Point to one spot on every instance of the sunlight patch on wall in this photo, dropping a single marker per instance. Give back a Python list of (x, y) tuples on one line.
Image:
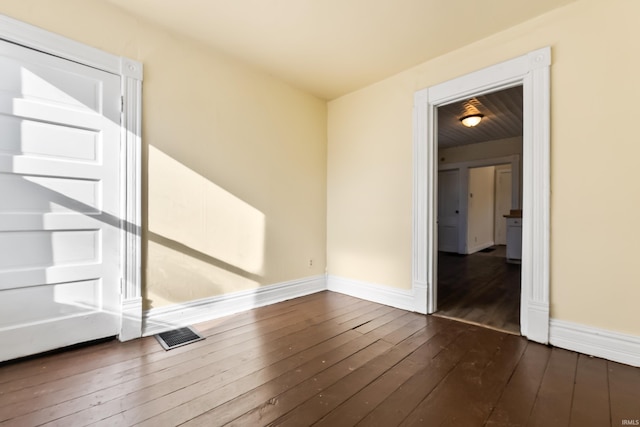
[(175, 277), (188, 211)]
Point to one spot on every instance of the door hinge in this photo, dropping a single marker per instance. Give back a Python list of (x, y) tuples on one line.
[(122, 104), (121, 286)]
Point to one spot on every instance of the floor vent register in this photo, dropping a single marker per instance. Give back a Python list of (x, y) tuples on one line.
[(178, 337)]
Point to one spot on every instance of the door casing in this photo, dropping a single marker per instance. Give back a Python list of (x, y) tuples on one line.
[(532, 71)]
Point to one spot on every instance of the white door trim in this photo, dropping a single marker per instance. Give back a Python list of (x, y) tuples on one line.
[(532, 72), (130, 73)]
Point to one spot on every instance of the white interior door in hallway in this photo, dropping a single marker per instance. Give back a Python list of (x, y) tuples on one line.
[(448, 210), (60, 209), (480, 208), (503, 203)]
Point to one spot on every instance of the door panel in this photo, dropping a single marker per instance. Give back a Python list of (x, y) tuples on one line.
[(448, 210), (60, 230), (503, 203), (480, 208)]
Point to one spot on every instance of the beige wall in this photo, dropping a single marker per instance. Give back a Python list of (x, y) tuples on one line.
[(234, 160), (594, 151)]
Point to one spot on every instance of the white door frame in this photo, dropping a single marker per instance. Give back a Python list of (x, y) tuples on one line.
[(130, 73), (532, 72)]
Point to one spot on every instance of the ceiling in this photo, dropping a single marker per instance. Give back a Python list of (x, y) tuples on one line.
[(332, 47), (502, 118)]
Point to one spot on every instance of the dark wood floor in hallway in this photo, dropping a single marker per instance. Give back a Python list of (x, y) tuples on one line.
[(326, 360), (480, 288)]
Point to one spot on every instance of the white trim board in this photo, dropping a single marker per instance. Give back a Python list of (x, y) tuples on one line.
[(130, 73), (595, 342), (398, 298), (532, 71), (162, 319)]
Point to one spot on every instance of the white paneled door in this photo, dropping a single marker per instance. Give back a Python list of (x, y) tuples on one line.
[(503, 203), (60, 200), (448, 210)]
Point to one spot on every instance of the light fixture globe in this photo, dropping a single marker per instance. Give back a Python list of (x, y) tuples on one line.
[(471, 120)]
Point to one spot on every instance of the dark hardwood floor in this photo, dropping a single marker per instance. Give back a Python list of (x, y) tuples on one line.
[(480, 288), (326, 360)]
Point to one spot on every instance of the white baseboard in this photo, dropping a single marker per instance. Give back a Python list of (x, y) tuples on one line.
[(476, 248), (398, 298), (163, 319), (595, 342)]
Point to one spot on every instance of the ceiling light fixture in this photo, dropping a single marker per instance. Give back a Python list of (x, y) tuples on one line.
[(471, 120)]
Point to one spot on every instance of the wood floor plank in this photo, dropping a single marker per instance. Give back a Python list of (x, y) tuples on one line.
[(553, 403), (268, 392), (354, 319), (159, 398), (319, 357), (380, 321), (591, 393), (624, 391), (398, 404), (52, 382), (99, 355), (398, 318), (137, 348), (117, 374), (285, 402), (179, 362), (476, 380), (351, 411), (436, 407), (484, 393), (326, 399), (515, 404), (398, 323), (251, 393), (156, 374), (22, 374), (400, 333)]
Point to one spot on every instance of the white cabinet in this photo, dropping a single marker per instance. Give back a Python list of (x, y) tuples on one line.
[(514, 239)]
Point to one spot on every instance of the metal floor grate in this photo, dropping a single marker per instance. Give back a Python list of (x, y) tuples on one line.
[(178, 337)]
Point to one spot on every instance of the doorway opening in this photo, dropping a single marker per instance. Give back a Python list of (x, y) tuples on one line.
[(532, 72), (478, 209)]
